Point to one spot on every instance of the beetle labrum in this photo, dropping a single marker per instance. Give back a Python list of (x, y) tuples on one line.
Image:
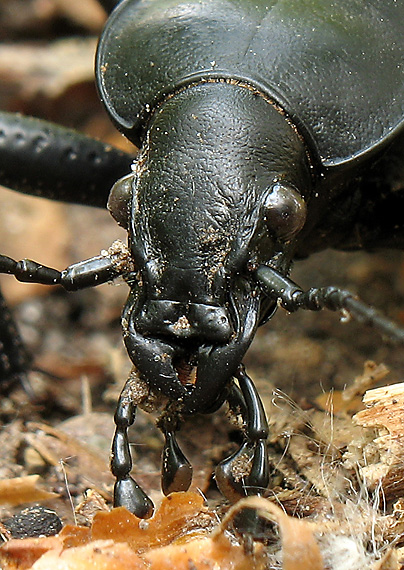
[(267, 131)]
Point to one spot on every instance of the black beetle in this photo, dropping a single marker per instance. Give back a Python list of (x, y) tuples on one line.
[(268, 131)]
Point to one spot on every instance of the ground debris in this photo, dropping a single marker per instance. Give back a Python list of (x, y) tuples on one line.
[(381, 464), (173, 538)]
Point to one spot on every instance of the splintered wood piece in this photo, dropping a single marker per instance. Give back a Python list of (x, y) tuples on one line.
[(385, 453)]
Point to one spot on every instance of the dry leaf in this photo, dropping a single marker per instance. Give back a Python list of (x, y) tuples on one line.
[(299, 546), (98, 555), (179, 513), (20, 490), (177, 537)]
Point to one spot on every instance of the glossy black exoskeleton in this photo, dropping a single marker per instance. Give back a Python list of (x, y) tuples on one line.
[(267, 131)]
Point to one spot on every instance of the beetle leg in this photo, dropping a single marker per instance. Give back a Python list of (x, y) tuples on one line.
[(44, 159), (292, 298), (229, 473), (176, 473), (127, 493), (257, 432)]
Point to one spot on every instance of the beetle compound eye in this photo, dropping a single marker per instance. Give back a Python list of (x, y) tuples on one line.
[(284, 211), (120, 201)]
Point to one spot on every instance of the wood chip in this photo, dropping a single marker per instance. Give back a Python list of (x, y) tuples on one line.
[(384, 454)]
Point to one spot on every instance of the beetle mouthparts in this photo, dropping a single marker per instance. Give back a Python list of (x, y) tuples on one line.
[(183, 321), (194, 371), (187, 373)]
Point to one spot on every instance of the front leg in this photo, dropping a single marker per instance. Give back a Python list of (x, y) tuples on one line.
[(127, 493), (252, 456)]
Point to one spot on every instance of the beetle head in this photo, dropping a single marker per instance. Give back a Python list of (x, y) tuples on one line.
[(213, 193)]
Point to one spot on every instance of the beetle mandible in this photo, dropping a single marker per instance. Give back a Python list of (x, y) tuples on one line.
[(267, 131)]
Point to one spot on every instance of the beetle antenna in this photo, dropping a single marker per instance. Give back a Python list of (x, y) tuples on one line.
[(291, 297)]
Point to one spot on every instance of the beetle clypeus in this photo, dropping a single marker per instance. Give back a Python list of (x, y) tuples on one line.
[(267, 131)]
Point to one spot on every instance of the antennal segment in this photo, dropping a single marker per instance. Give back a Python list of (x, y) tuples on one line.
[(291, 297)]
